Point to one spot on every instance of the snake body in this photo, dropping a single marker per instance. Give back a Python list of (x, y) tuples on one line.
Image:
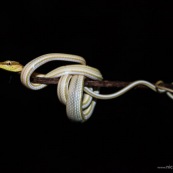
[(79, 105), (80, 100)]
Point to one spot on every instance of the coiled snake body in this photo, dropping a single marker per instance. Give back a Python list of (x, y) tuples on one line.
[(80, 100)]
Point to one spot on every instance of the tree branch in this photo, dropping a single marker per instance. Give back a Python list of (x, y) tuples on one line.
[(104, 83)]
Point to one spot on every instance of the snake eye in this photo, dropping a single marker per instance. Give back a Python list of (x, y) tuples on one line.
[(8, 62)]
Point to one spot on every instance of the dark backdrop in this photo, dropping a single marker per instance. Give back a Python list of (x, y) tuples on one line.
[(125, 40)]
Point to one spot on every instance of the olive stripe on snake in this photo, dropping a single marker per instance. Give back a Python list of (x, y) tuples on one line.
[(80, 100)]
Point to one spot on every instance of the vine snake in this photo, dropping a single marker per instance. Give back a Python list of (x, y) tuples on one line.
[(80, 100)]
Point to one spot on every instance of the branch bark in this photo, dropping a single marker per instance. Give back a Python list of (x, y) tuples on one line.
[(92, 83)]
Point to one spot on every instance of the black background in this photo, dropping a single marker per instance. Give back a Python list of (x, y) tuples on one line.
[(125, 40)]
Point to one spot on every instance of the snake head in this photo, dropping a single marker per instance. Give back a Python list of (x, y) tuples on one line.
[(12, 66)]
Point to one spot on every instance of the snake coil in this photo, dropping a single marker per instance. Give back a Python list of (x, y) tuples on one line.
[(70, 88), (80, 100)]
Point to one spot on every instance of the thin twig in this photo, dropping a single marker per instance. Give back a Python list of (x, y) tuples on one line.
[(92, 83)]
